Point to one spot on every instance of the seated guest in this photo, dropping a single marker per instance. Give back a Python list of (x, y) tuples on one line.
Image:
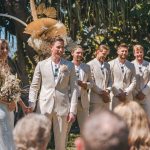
[(103, 131), (137, 121), (32, 132)]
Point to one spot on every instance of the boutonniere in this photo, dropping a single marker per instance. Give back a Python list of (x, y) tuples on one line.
[(63, 68)]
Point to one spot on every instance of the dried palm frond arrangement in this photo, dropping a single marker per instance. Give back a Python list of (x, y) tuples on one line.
[(9, 86), (44, 28)]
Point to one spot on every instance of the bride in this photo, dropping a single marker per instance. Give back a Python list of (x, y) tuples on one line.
[(9, 95)]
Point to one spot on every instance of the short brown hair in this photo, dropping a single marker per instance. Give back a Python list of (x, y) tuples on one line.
[(55, 39), (123, 45)]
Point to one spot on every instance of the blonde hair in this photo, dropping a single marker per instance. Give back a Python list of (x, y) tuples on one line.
[(75, 48), (32, 132), (4, 43), (137, 47), (101, 47), (137, 121)]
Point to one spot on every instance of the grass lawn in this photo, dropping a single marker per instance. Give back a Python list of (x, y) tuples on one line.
[(70, 144), (74, 133)]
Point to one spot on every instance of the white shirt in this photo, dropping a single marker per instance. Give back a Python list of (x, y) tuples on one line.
[(56, 70)]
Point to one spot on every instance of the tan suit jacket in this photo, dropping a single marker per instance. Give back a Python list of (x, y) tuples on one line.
[(125, 81), (54, 96), (86, 78), (143, 83), (102, 81)]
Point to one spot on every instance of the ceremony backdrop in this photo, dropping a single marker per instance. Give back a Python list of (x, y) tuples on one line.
[(89, 23)]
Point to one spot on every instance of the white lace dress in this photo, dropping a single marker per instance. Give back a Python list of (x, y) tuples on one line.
[(6, 138)]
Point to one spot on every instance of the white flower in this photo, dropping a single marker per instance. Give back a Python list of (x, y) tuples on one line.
[(63, 68)]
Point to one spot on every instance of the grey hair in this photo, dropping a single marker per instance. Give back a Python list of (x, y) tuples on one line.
[(32, 132)]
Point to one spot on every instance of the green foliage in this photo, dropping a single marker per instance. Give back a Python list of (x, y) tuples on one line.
[(92, 22)]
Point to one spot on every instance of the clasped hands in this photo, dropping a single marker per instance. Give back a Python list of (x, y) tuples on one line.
[(122, 96), (140, 96), (27, 110), (82, 84), (105, 96), (12, 105)]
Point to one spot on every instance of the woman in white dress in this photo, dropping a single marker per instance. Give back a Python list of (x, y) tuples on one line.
[(6, 139), (9, 95)]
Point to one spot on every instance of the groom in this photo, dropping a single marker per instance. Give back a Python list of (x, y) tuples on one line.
[(52, 79)]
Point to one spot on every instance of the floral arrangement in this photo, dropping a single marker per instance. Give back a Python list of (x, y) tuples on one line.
[(9, 87), (63, 68)]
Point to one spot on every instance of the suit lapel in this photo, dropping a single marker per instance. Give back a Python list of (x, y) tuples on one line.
[(98, 67), (119, 66), (49, 70), (105, 75), (144, 66), (125, 69), (82, 71)]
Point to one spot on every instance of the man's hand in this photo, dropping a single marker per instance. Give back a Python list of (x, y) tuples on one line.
[(71, 118), (82, 84), (27, 110), (121, 96), (11, 106), (105, 96), (140, 96)]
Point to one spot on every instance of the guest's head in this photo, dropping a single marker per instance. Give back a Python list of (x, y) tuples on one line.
[(32, 132), (3, 49), (137, 121), (103, 131)]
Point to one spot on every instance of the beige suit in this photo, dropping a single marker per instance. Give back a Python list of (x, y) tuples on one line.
[(143, 84), (102, 81), (83, 103), (53, 97), (125, 81)]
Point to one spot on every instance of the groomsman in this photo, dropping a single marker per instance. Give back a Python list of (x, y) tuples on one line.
[(123, 77), (99, 94), (83, 74), (51, 79), (142, 67)]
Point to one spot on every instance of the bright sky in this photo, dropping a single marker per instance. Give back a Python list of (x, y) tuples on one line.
[(12, 41)]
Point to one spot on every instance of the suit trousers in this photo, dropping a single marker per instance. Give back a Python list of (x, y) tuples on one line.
[(60, 126), (99, 106), (82, 114), (146, 107)]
